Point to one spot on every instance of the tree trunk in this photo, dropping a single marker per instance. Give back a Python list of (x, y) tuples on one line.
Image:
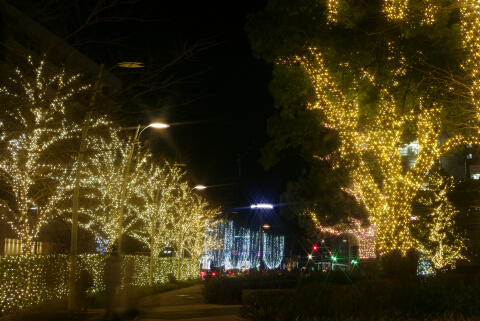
[(151, 262)]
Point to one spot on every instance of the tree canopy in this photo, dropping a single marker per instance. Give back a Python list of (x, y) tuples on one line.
[(371, 76)]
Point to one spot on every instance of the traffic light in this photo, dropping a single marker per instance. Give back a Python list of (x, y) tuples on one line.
[(315, 247)]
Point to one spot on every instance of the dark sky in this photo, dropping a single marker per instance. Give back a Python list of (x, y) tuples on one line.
[(222, 149), (223, 132)]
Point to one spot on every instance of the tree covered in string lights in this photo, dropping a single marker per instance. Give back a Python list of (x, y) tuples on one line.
[(102, 177), (188, 223), (156, 189), (203, 239), (378, 75), (36, 132), (439, 238)]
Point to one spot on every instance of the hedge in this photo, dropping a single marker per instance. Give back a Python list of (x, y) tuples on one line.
[(27, 281)]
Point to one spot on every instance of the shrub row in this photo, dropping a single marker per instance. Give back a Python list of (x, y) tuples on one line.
[(445, 298), (27, 281)]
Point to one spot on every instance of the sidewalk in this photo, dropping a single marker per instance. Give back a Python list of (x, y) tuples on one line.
[(185, 304), (181, 304)]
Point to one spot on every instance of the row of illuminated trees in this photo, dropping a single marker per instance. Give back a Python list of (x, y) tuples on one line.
[(40, 129)]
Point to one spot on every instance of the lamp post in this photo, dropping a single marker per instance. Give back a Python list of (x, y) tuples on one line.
[(126, 177), (261, 207), (73, 243)]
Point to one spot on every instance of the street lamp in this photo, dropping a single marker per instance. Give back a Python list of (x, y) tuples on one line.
[(76, 194), (261, 207), (125, 179), (73, 244)]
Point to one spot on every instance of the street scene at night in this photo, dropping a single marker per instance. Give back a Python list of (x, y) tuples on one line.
[(240, 160)]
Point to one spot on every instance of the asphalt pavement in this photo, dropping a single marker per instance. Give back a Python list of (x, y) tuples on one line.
[(181, 304)]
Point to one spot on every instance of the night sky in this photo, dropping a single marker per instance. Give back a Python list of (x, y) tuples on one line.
[(224, 131)]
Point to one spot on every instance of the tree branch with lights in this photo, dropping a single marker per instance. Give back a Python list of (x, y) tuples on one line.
[(35, 166), (380, 75), (101, 185)]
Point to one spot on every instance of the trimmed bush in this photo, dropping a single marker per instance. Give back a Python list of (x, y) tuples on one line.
[(28, 281), (452, 297)]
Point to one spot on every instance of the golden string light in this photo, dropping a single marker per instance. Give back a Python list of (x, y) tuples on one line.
[(470, 10), (189, 219), (102, 178), (31, 133), (445, 245), (332, 6), (386, 191), (25, 277), (366, 238), (156, 190), (396, 9)]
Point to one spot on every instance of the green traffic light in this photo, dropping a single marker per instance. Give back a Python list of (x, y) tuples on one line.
[(334, 258), (354, 262)]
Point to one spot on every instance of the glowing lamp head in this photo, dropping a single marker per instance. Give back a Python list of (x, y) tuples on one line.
[(261, 206), (309, 256), (131, 64), (200, 187), (159, 125)]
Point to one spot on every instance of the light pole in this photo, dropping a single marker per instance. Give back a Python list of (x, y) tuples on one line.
[(126, 177), (76, 193), (261, 207)]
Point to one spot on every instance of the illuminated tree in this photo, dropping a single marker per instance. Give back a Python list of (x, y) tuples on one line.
[(102, 179), (189, 220), (35, 166), (365, 236), (156, 189), (379, 75), (203, 239), (442, 243)]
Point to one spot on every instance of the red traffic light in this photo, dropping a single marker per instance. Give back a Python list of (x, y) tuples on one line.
[(314, 247)]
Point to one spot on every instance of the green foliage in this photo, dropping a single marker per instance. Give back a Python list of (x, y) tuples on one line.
[(443, 298), (228, 290), (419, 63), (28, 281)]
